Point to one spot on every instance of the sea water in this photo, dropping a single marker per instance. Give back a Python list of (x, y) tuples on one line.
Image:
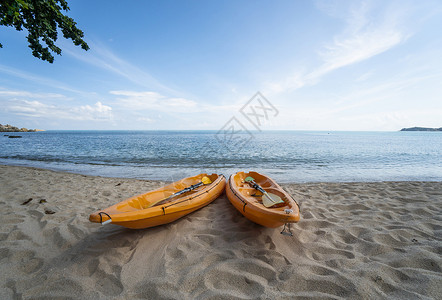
[(286, 156)]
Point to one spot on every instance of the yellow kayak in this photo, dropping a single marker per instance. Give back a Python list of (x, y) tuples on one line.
[(163, 205), (261, 200)]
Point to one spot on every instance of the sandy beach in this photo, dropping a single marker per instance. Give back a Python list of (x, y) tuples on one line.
[(355, 240)]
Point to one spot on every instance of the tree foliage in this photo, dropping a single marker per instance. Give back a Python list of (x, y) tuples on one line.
[(41, 18)]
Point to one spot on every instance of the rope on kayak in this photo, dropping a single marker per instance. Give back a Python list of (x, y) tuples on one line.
[(288, 232), (101, 218)]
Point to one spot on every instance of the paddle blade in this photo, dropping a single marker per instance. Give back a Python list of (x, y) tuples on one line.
[(269, 199), (206, 180), (249, 179)]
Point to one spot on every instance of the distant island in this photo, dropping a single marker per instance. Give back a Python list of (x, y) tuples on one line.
[(10, 128), (421, 129)]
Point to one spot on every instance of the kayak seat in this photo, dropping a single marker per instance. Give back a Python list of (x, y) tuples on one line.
[(247, 191)]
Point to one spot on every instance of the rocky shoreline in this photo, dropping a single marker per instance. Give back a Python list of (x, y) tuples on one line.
[(10, 128)]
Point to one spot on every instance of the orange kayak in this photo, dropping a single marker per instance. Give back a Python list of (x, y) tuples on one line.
[(249, 201), (160, 206)]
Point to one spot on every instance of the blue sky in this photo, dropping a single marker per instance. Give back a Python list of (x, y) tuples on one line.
[(325, 65)]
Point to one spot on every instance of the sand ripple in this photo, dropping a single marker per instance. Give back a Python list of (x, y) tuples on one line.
[(355, 240)]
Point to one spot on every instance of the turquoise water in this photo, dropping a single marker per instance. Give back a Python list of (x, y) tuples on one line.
[(287, 156)]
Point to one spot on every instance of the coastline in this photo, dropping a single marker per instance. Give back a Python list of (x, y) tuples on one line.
[(300, 156), (354, 240)]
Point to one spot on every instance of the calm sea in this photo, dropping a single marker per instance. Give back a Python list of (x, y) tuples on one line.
[(287, 156)]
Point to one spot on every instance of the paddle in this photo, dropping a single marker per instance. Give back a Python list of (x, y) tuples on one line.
[(268, 199), (205, 180)]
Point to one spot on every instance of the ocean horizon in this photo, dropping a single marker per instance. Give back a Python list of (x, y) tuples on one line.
[(285, 155)]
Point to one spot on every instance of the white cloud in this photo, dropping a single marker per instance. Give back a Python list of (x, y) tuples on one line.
[(136, 94), (136, 100), (37, 109), (180, 102), (152, 101), (367, 33), (104, 58), (26, 94), (28, 108), (97, 111), (39, 79), (356, 48)]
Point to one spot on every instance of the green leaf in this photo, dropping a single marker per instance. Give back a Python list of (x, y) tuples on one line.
[(41, 18)]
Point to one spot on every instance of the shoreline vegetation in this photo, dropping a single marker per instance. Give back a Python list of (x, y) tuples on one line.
[(354, 240), (421, 129), (10, 128)]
